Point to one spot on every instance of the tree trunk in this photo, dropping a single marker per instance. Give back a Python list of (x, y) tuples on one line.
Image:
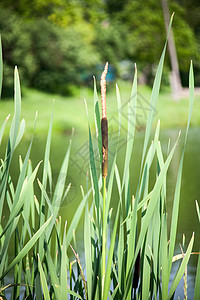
[(175, 80)]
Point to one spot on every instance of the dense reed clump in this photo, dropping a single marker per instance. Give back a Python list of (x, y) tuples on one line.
[(128, 253)]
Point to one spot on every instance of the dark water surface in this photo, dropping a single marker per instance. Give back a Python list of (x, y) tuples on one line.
[(79, 164)]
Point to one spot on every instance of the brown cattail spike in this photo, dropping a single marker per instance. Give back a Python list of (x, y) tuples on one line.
[(104, 134), (104, 123)]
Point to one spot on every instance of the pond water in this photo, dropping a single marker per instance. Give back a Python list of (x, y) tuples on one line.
[(188, 221)]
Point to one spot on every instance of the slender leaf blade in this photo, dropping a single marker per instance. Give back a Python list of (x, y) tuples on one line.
[(43, 281)]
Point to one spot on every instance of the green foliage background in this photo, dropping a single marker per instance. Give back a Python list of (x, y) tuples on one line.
[(53, 41)]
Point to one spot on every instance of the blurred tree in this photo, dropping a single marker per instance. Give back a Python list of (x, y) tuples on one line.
[(63, 56), (191, 13), (62, 41), (115, 6), (110, 42), (49, 56), (146, 35), (16, 49)]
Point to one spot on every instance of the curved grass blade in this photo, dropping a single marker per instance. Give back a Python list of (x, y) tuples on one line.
[(77, 216), (164, 258), (3, 128), (74, 294), (154, 96)]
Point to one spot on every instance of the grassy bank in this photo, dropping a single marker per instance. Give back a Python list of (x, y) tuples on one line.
[(70, 112)]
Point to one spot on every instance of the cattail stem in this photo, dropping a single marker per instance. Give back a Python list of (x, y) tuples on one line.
[(104, 236)]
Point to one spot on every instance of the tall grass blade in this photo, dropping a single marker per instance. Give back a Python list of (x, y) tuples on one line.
[(43, 281), (63, 279), (110, 257), (87, 249), (110, 186), (17, 114), (97, 121), (154, 96), (164, 255), (44, 183), (94, 175), (119, 105), (132, 105), (121, 265), (12, 137)]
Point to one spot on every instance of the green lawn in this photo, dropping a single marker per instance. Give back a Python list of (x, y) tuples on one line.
[(70, 111)]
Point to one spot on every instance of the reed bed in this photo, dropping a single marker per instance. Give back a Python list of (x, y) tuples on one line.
[(128, 252)]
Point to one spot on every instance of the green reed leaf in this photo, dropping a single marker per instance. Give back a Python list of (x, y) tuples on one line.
[(43, 281)]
